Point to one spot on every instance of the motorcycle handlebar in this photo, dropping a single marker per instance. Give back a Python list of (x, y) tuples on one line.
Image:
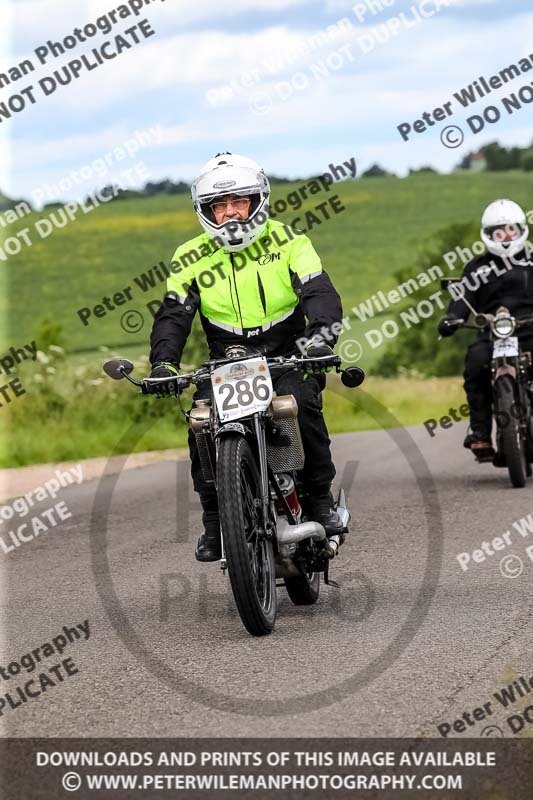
[(455, 323), (484, 320), (524, 321), (184, 381)]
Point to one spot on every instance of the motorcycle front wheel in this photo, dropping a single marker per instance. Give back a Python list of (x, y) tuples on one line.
[(249, 554), (512, 443)]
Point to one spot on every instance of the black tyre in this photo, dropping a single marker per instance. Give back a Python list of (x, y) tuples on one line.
[(304, 590), (511, 440), (250, 558)]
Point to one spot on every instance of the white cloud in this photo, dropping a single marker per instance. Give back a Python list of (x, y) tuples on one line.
[(217, 58), (5, 146), (414, 72), (188, 60), (374, 10), (5, 162), (467, 3), (37, 20), (82, 148)]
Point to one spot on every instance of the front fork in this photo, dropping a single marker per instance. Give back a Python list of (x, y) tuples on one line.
[(223, 562), (259, 429), (265, 489)]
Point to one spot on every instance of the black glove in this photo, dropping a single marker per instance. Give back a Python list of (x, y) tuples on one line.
[(444, 327), (317, 351), (162, 389)]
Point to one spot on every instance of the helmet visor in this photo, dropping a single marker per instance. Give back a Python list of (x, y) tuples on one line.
[(244, 204), (505, 233)]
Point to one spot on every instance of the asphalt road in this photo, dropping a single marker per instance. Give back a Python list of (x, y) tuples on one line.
[(407, 642)]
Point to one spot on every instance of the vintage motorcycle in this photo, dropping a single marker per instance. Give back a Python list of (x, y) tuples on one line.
[(512, 387), (251, 450)]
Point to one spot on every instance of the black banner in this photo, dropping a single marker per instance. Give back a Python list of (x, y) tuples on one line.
[(263, 768)]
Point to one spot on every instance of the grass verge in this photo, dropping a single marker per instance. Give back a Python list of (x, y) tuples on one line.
[(73, 411)]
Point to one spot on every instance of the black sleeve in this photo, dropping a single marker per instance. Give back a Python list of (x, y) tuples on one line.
[(172, 326), (320, 302), (457, 308)]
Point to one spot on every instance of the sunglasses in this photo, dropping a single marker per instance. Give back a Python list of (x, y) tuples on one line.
[(238, 203)]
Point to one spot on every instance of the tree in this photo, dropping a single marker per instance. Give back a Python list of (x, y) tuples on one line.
[(375, 171), (526, 160), (427, 170), (166, 187), (6, 203), (274, 179), (499, 159)]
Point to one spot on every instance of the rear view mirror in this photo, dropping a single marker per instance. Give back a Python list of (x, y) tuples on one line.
[(352, 377), (117, 368)]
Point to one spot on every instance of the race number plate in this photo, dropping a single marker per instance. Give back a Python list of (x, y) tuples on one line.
[(243, 388), (505, 347)]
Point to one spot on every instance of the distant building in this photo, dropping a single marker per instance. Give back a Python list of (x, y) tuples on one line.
[(478, 162), (474, 162)]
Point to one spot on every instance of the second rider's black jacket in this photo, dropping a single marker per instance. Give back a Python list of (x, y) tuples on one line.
[(489, 282)]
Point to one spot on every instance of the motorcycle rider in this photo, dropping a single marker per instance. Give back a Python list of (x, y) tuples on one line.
[(503, 276), (254, 282)]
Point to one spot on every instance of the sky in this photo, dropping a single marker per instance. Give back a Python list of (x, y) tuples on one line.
[(295, 85)]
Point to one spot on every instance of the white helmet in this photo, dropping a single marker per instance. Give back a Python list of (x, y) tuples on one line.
[(232, 174), (498, 215)]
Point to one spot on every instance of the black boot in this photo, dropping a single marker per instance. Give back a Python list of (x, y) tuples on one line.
[(477, 437), (479, 442), (209, 543), (320, 509)]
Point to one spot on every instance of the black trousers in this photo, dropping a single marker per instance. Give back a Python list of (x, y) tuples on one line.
[(477, 383), (318, 471)]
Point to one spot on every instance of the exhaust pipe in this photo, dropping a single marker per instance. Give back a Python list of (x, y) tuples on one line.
[(292, 534)]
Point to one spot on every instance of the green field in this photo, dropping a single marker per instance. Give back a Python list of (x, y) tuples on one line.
[(387, 223)]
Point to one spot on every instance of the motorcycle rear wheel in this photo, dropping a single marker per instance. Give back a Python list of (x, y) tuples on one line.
[(250, 556), (305, 589), (511, 440)]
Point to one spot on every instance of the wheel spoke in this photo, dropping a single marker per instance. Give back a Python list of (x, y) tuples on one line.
[(256, 545), (250, 511)]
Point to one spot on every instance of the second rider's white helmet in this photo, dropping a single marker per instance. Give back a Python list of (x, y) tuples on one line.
[(500, 215), (225, 174)]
